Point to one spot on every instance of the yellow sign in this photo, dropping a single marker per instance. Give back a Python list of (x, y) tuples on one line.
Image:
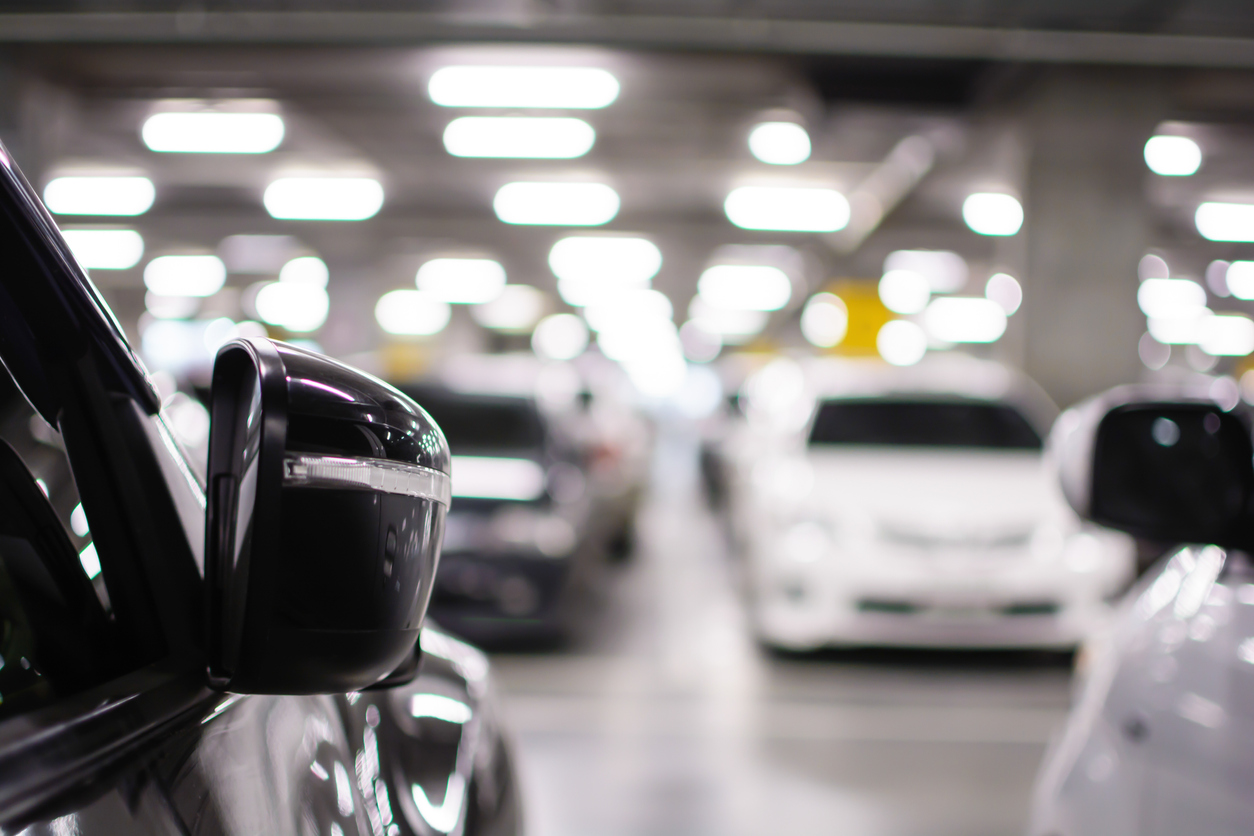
[(867, 314), (404, 361)]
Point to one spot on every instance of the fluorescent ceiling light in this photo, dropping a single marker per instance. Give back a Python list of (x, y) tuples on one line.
[(560, 337), (517, 308), (628, 309), (991, 213), (550, 138), (1239, 278), (185, 275), (1152, 353), (658, 374), (1226, 335), (296, 306), (485, 477), (731, 325), (99, 195), (213, 133), (945, 271), (170, 307), (324, 198), (307, 269), (556, 204), (1173, 156), (580, 88), (1225, 221), (825, 320), (955, 319), (1179, 330), (1217, 277), (105, 249), (177, 346), (904, 291), (1004, 289), (1165, 298), (591, 266), (1152, 266), (780, 143), (901, 342), (412, 313), (463, 281), (700, 345), (787, 209), (745, 287), (649, 338)]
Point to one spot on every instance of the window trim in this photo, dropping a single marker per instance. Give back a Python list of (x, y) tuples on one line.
[(80, 742)]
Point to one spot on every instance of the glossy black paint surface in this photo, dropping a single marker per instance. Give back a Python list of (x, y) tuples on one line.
[(160, 754), (315, 590), (333, 408), (1173, 472)]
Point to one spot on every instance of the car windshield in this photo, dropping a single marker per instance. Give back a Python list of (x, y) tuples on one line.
[(482, 423), (923, 423)]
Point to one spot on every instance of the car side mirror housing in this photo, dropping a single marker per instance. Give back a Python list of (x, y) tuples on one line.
[(1178, 471), (327, 494)]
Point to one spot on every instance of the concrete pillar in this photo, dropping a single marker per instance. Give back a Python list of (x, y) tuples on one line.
[(1088, 224)]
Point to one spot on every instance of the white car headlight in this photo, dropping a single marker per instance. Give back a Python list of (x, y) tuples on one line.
[(806, 541), (1084, 553)]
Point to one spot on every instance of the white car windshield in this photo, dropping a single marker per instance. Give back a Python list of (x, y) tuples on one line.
[(922, 423)]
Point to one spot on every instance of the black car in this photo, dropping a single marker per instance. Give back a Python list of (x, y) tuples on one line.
[(237, 654), (523, 550)]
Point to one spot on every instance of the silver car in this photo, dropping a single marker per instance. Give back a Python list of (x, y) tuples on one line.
[(1161, 736)]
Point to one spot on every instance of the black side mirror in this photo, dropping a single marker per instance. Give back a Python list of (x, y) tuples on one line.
[(1173, 472), (327, 496), (1167, 470)]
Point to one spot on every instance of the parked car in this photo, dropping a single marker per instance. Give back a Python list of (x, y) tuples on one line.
[(589, 409), (238, 654), (526, 540), (885, 506), (1159, 739)]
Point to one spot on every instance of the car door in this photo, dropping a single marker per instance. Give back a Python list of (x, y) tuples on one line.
[(134, 741), (126, 737), (66, 718), (174, 757)]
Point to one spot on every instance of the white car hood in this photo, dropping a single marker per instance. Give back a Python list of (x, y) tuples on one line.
[(936, 497)]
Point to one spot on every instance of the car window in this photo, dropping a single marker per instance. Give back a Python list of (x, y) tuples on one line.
[(23, 685), (923, 423), (56, 636), (474, 423), (42, 451)]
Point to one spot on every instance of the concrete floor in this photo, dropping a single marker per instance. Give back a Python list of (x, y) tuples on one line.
[(666, 718)]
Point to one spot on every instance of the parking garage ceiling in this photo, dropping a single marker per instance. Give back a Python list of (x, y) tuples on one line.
[(972, 79), (1152, 32)]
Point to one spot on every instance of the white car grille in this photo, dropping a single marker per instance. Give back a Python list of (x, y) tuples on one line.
[(990, 539)]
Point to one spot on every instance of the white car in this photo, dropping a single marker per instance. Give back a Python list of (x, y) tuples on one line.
[(911, 507), (1160, 740)]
